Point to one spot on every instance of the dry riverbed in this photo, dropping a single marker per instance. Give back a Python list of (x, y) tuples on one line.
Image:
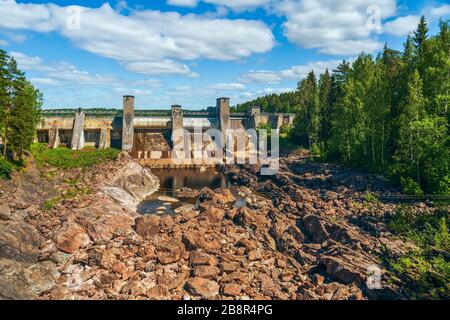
[(302, 234)]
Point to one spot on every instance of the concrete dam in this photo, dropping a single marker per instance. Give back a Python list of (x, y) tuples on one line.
[(146, 134)]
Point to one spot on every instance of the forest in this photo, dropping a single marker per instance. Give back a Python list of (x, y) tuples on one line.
[(387, 114)]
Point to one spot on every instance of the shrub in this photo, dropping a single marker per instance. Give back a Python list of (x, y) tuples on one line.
[(5, 168), (411, 187), (426, 269), (371, 197)]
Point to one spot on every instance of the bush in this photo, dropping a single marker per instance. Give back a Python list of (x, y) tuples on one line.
[(410, 187), (5, 168), (65, 158), (426, 269)]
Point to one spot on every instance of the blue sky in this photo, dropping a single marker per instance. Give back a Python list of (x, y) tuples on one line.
[(188, 52)]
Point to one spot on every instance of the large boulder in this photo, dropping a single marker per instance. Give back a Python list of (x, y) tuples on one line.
[(72, 238), (19, 241), (25, 281)]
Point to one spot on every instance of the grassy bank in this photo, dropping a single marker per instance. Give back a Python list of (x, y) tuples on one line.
[(65, 158), (425, 269)]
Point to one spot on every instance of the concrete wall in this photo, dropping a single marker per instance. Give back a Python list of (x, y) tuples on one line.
[(143, 135)]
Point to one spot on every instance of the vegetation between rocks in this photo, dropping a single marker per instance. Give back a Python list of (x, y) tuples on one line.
[(425, 269), (65, 158)]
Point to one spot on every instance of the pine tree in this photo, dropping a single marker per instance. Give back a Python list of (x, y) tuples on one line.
[(308, 119), (421, 35), (325, 105), (26, 116), (19, 107)]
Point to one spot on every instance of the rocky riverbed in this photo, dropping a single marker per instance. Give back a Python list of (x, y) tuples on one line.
[(302, 234)]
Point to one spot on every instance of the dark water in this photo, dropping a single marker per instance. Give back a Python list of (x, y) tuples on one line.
[(172, 180)]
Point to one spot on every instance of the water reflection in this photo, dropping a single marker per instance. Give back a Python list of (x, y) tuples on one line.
[(172, 180)]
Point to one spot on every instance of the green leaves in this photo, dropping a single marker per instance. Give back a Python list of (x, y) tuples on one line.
[(20, 106)]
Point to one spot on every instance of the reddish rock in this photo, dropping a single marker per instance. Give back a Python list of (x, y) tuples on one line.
[(208, 272), (223, 196), (205, 288), (147, 226), (249, 218), (198, 258), (158, 292), (315, 228), (211, 213), (232, 290), (229, 267), (72, 239), (254, 255), (196, 240), (170, 251)]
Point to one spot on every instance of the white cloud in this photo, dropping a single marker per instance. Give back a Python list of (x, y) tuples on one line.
[(3, 43), (237, 5), (440, 11), (227, 86), (333, 27), (27, 62), (294, 73), (151, 83), (402, 25), (158, 67), (145, 36), (44, 81), (59, 72), (183, 3)]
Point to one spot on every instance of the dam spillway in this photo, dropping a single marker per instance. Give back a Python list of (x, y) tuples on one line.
[(146, 134)]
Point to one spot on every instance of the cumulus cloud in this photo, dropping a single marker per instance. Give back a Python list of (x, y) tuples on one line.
[(59, 72), (158, 67), (440, 11), (183, 3), (145, 36), (227, 86), (334, 27), (402, 25), (294, 73), (237, 5)]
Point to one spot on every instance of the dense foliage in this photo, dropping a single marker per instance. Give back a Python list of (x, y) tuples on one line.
[(389, 114), (20, 108), (425, 268), (65, 158)]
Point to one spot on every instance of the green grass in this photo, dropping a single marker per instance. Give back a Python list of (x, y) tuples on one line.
[(426, 269), (65, 158)]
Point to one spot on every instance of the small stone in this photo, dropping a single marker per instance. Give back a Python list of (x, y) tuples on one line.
[(207, 272), (203, 287), (254, 255), (318, 279), (157, 292), (232, 290)]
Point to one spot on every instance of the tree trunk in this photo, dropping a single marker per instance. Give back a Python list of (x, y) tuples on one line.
[(5, 142)]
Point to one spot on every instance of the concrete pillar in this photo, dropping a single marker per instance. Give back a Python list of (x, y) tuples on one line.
[(223, 115), (105, 138), (78, 131), (128, 123), (255, 114), (53, 138), (177, 117)]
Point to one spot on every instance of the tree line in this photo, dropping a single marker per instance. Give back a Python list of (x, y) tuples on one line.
[(388, 114), (20, 109)]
